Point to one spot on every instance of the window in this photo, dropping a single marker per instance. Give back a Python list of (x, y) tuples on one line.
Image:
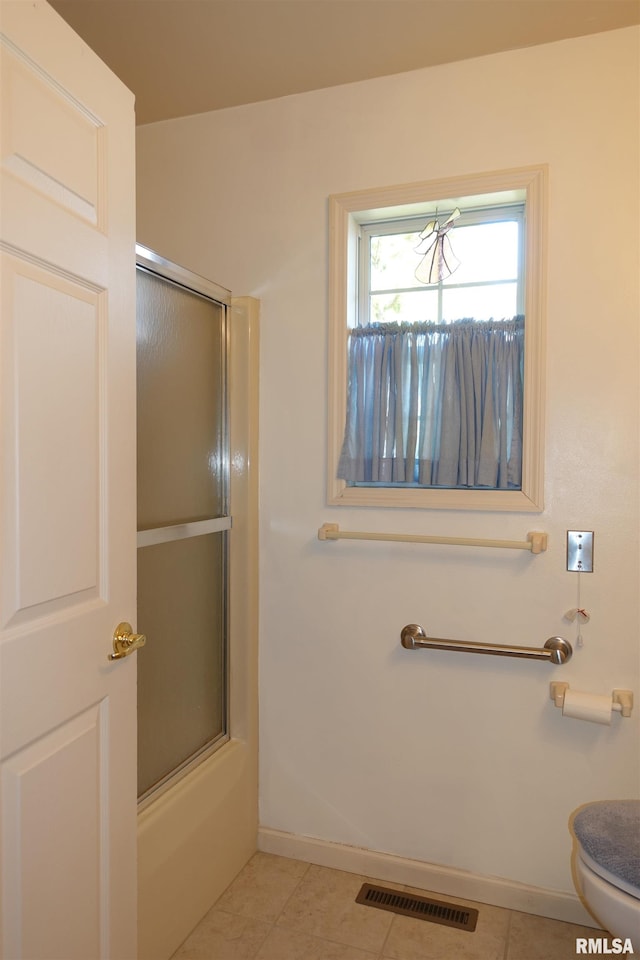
[(420, 341), (486, 282)]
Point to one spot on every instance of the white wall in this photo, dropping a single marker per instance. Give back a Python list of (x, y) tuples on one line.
[(442, 757)]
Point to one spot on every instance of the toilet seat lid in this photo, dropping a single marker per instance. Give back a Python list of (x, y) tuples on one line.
[(608, 832)]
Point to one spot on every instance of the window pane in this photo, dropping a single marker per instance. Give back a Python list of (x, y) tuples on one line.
[(486, 251), (481, 303), (394, 261), (405, 307)]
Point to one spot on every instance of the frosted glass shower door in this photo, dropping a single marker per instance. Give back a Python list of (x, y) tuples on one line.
[(182, 519)]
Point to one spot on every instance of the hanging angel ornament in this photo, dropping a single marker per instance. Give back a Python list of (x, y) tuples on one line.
[(438, 260)]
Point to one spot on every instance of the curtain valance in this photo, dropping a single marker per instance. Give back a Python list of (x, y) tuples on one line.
[(435, 404)]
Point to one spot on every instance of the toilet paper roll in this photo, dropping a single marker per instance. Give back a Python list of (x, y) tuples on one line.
[(587, 706)]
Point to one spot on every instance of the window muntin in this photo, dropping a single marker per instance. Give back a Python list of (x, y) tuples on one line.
[(347, 214)]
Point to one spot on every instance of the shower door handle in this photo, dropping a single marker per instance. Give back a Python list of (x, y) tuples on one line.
[(125, 641)]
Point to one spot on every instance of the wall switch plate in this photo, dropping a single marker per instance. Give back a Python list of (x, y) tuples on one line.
[(580, 551)]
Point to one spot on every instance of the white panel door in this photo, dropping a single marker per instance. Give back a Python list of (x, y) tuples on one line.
[(67, 496)]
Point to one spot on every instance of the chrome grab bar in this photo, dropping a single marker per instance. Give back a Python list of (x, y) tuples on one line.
[(556, 649)]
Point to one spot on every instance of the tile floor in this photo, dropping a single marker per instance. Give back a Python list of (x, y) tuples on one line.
[(281, 909)]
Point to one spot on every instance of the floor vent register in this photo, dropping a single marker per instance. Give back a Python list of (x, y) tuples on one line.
[(421, 908)]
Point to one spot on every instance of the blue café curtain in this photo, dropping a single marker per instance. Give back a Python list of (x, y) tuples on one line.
[(435, 404)]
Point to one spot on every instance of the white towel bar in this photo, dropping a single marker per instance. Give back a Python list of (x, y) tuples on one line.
[(535, 543)]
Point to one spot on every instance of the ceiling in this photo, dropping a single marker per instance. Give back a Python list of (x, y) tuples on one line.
[(181, 57)]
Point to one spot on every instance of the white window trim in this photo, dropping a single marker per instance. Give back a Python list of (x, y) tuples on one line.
[(346, 211)]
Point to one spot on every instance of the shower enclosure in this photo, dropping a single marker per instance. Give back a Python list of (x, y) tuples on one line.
[(198, 423), (183, 520)]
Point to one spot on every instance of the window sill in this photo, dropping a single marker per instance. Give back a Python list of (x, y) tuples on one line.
[(500, 500)]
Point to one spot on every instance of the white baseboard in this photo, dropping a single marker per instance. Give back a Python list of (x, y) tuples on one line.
[(446, 881)]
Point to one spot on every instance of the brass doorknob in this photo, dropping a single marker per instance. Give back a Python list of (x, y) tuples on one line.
[(125, 641)]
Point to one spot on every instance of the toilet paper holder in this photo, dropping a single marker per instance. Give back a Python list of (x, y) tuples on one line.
[(621, 700)]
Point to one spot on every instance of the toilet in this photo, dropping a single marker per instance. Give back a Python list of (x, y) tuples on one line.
[(607, 864)]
